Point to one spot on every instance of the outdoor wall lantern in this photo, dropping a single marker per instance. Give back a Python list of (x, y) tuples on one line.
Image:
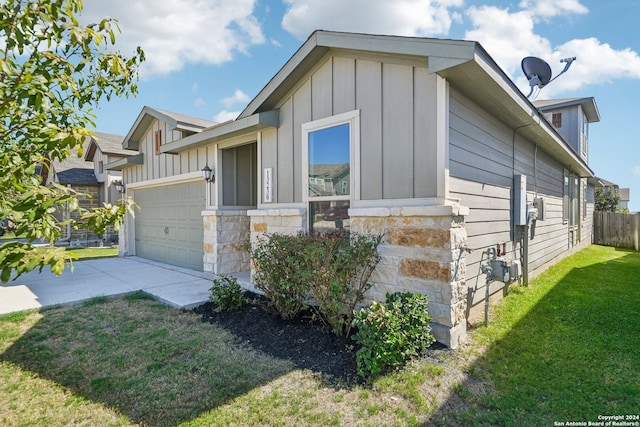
[(119, 186), (207, 174)]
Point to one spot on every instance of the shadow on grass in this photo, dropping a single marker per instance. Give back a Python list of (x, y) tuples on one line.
[(574, 355), (156, 365)]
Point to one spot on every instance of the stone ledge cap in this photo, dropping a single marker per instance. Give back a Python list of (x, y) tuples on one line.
[(435, 210), (276, 212)]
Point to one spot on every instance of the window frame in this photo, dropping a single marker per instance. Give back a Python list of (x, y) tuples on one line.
[(352, 118)]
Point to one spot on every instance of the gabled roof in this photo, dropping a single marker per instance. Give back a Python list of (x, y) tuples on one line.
[(74, 170), (464, 64), (588, 106), (175, 121), (107, 144), (442, 54)]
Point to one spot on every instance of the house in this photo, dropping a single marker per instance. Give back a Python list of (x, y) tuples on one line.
[(168, 187), (624, 199), (104, 148), (429, 143), (77, 174)]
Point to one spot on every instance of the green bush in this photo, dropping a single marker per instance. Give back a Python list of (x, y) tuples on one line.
[(340, 267), (281, 272), (226, 294), (331, 270), (391, 333)]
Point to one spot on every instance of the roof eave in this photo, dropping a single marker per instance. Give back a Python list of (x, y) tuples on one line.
[(215, 134), (491, 88), (123, 163)]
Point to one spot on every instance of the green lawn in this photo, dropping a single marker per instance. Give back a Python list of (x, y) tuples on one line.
[(564, 349), (94, 252)]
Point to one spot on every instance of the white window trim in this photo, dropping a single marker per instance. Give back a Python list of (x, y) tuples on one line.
[(353, 119)]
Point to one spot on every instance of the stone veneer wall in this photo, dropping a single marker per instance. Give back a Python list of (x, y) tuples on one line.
[(421, 252), (225, 233), (280, 221)]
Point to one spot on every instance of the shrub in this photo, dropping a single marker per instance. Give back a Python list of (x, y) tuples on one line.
[(280, 272), (333, 270), (340, 267), (392, 332), (226, 294)]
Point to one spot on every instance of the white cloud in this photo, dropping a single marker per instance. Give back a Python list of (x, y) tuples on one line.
[(399, 17), (225, 116), (636, 170), (551, 8), (238, 97), (510, 36), (199, 102), (177, 32)]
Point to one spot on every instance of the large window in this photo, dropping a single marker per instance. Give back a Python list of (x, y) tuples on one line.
[(328, 149)]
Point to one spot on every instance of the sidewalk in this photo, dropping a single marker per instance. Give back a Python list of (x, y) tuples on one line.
[(174, 286)]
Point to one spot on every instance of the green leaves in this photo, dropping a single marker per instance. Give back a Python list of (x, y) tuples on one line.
[(391, 333), (53, 73), (333, 270)]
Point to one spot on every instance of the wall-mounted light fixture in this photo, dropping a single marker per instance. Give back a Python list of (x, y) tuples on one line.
[(208, 174), (119, 186)]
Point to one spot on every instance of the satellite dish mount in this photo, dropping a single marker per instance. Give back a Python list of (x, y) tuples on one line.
[(538, 72)]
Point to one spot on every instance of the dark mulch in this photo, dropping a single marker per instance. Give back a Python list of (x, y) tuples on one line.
[(305, 341)]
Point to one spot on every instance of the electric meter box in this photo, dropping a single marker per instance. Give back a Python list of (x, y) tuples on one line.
[(520, 200)]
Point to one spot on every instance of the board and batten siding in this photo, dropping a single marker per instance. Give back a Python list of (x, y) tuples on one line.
[(397, 104), (158, 166), (482, 162)]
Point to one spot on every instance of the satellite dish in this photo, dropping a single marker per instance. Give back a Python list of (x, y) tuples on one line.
[(538, 72)]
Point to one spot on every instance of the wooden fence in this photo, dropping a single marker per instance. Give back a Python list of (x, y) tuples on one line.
[(615, 229)]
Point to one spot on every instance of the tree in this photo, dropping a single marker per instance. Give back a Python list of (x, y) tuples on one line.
[(607, 199), (53, 72)]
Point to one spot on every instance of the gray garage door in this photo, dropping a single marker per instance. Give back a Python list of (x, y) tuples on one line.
[(169, 225)]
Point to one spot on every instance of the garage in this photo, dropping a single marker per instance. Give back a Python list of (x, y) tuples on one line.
[(168, 228)]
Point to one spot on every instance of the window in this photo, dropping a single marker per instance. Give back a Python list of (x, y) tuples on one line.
[(571, 199), (100, 166), (328, 152), (565, 198), (157, 141), (584, 199), (556, 120), (584, 136)]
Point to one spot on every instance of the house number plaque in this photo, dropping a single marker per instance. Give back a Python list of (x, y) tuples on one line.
[(267, 185)]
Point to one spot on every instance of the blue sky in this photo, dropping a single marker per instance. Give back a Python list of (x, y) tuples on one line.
[(209, 59)]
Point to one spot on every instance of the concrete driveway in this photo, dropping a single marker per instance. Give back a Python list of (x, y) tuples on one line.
[(175, 286)]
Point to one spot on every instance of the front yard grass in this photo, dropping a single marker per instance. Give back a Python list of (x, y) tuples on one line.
[(564, 349), (94, 252)]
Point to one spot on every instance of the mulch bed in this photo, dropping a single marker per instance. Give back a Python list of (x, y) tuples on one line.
[(305, 341)]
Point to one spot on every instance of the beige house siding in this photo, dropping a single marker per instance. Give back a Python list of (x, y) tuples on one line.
[(397, 104), (483, 160)]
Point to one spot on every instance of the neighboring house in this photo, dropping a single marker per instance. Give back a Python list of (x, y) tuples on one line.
[(437, 140), (623, 202), (571, 117), (104, 148), (77, 174), (624, 198)]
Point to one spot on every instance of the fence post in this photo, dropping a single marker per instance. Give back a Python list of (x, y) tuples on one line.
[(636, 231)]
